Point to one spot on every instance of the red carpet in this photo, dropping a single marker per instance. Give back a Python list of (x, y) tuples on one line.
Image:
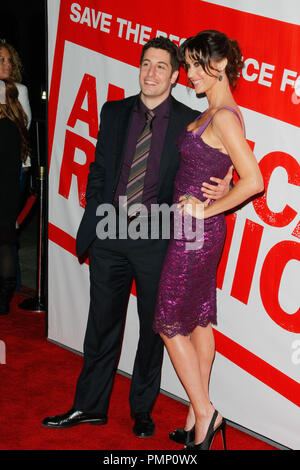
[(38, 380)]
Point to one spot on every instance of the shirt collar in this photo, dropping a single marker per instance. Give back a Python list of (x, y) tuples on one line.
[(161, 111)]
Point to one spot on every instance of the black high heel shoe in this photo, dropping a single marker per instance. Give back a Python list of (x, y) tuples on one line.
[(211, 432), (182, 436)]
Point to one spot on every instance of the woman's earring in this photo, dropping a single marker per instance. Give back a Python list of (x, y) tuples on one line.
[(220, 78)]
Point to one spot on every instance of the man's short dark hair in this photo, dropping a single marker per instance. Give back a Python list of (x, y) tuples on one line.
[(167, 45)]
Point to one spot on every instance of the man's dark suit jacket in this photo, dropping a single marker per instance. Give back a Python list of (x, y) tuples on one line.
[(105, 170)]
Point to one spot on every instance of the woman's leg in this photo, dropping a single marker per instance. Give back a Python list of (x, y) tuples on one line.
[(204, 344), (195, 377)]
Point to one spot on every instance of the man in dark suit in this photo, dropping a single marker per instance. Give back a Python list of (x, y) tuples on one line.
[(115, 262)]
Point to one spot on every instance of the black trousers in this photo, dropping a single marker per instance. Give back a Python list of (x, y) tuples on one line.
[(113, 265)]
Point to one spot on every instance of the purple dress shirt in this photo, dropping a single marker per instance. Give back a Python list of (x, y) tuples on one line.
[(159, 129)]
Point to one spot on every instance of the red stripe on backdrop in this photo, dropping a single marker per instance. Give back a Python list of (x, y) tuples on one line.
[(55, 81), (258, 368), (61, 238), (233, 351)]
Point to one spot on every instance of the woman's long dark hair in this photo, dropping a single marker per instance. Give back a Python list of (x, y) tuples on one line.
[(213, 45)]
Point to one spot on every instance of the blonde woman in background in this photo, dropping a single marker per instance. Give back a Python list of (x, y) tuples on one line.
[(11, 68), (14, 151)]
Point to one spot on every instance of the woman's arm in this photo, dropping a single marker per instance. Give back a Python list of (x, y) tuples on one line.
[(24, 100)]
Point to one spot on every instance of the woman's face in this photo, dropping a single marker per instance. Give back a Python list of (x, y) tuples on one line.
[(5, 64), (201, 81)]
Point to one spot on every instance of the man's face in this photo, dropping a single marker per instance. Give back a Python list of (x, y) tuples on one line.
[(156, 76)]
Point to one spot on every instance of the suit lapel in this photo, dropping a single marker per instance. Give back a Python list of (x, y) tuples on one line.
[(170, 150), (122, 129)]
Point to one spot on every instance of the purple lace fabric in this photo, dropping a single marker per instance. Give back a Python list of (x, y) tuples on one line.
[(187, 290)]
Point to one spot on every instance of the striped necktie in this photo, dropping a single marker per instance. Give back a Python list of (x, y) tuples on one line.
[(135, 185)]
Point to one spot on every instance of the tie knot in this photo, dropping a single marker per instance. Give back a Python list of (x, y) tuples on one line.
[(149, 115)]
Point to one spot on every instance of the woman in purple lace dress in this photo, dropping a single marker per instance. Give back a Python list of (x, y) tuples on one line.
[(186, 304)]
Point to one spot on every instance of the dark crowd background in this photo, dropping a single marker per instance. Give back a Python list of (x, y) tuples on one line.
[(23, 24)]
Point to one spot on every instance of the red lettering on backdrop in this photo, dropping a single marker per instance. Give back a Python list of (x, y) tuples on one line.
[(296, 231), (251, 144), (115, 93), (73, 141), (246, 261), (267, 166), (69, 167), (89, 115), (271, 274), (230, 222)]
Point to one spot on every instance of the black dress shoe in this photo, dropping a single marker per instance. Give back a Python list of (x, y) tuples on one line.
[(144, 425), (183, 437), (72, 418)]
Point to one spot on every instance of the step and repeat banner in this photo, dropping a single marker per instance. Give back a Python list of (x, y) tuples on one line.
[(94, 50)]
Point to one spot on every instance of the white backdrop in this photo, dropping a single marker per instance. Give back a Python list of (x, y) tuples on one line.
[(93, 56)]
